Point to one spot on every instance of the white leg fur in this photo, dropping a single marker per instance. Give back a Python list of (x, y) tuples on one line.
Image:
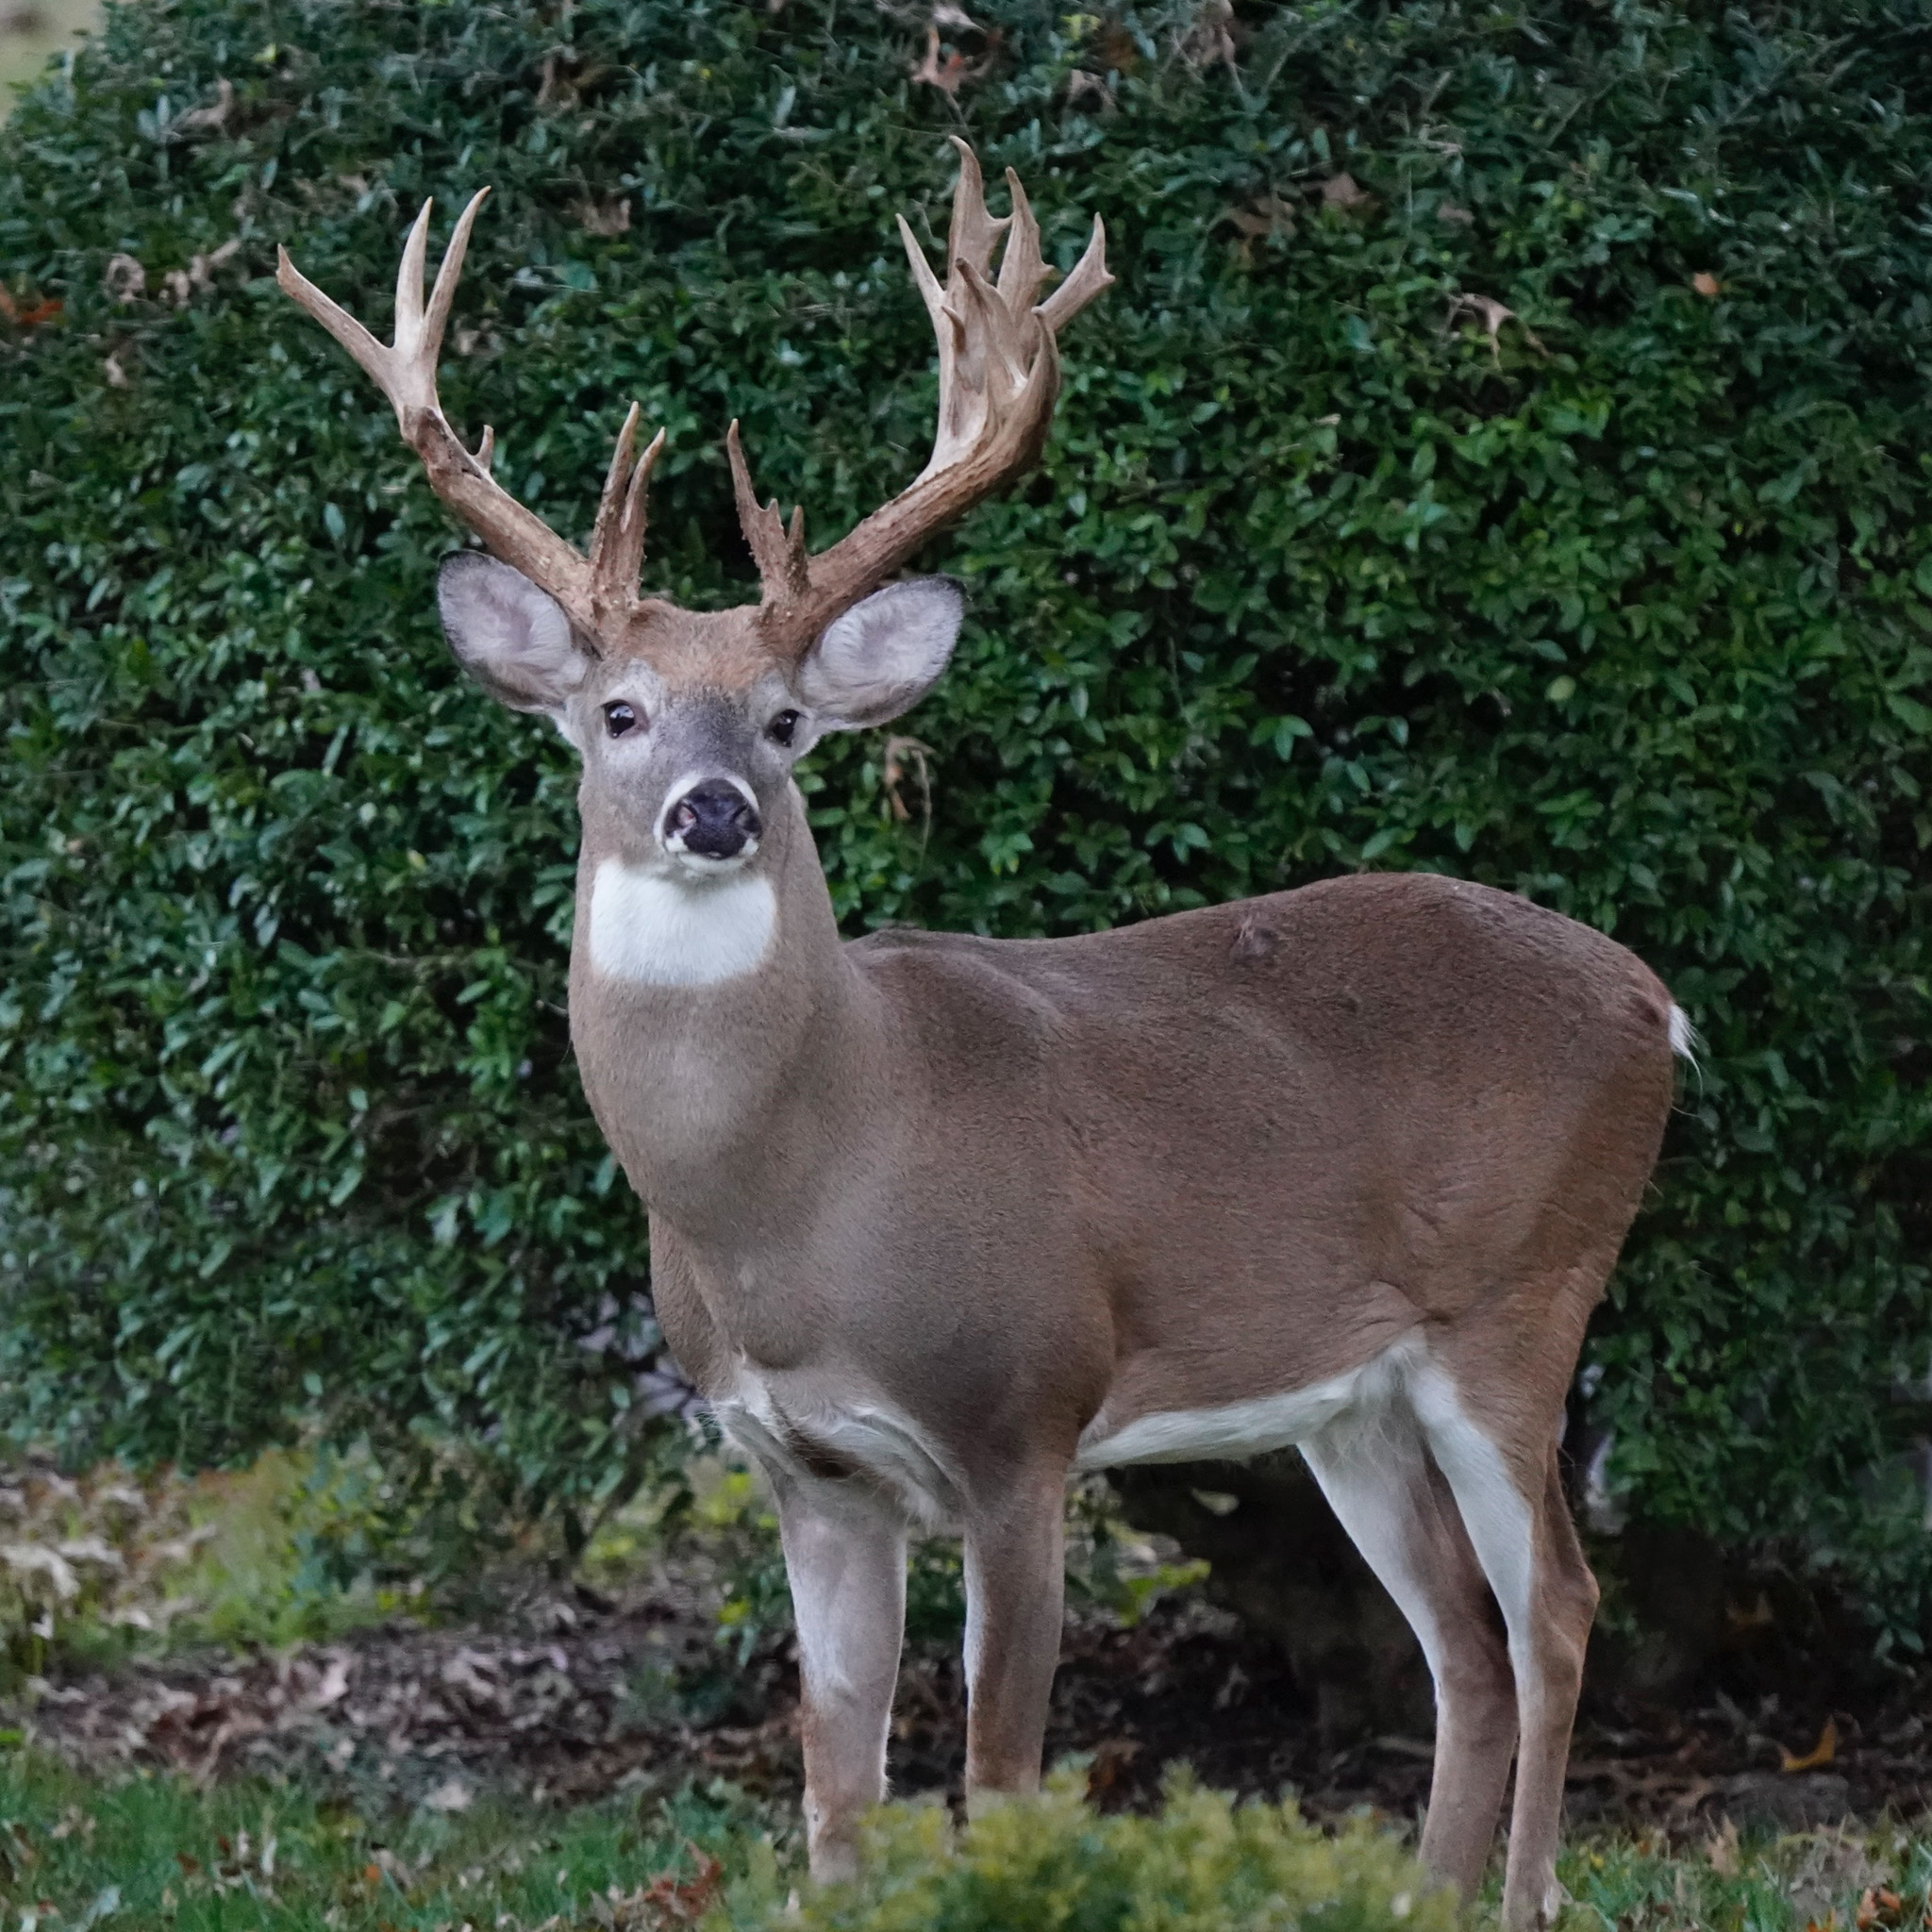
[(845, 1560), (1252, 1427), (1375, 1473), (1499, 1519), (1365, 1469), (1503, 1527)]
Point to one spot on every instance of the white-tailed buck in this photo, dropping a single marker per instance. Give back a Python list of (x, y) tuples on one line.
[(936, 1220)]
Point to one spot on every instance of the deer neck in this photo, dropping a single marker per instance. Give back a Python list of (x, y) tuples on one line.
[(717, 1025)]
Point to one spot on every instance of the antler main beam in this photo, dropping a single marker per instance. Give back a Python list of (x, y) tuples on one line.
[(592, 590), (999, 379)]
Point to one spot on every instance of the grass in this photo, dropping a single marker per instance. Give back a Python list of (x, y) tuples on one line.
[(155, 1852), (152, 1850), (1847, 1879)]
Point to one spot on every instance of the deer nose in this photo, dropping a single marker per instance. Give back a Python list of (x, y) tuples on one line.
[(713, 819)]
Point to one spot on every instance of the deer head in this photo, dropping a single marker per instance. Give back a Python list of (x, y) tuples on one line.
[(689, 722)]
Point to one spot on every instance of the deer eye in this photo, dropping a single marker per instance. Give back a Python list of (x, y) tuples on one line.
[(618, 719), (781, 727)]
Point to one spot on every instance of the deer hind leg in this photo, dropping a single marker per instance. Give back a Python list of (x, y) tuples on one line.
[(845, 1560), (1527, 1546), (1398, 1510)]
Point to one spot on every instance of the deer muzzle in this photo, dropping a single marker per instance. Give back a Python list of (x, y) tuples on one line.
[(715, 822)]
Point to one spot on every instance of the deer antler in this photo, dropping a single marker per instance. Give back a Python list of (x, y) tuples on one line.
[(999, 379), (592, 590)]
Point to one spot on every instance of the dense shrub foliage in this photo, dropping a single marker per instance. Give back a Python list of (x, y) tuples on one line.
[(1202, 1866), (1506, 451)]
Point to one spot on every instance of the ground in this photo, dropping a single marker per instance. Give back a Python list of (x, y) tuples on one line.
[(575, 1761), (571, 1754), (570, 1696)]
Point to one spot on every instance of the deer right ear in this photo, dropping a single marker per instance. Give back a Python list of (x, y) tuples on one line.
[(510, 637)]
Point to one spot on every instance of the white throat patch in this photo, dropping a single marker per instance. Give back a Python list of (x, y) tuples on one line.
[(665, 932)]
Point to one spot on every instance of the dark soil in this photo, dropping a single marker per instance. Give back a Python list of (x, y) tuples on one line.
[(566, 1695)]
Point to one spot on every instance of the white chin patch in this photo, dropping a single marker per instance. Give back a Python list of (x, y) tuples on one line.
[(665, 932), (702, 865)]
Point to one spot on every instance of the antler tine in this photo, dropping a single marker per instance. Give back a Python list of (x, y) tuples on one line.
[(780, 554), (405, 372), (999, 379), (447, 276), (408, 355), (974, 231), (617, 540), (1090, 278), (1023, 269)]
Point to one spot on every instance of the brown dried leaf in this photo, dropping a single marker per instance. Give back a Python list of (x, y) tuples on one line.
[(1820, 1755), (1267, 214), (1083, 86), (610, 216), (949, 74), (900, 753), (123, 278), (671, 1901), (1491, 314), (1209, 39), (212, 119), (1879, 1906), (1116, 49), (1720, 1853), (1343, 191)]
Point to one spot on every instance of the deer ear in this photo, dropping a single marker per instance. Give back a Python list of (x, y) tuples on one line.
[(509, 635), (883, 654)]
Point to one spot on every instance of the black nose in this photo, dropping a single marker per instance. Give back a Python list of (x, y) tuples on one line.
[(715, 820)]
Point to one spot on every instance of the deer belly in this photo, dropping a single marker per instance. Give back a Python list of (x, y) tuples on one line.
[(803, 1439), (1254, 1425)]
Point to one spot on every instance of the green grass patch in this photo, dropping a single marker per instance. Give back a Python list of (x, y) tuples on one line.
[(1847, 1877), (155, 1851)]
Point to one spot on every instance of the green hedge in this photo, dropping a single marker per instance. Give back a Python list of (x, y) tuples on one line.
[(1202, 1865), (1623, 603)]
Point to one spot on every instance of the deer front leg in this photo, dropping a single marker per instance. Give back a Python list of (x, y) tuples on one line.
[(1015, 1585), (845, 1560)]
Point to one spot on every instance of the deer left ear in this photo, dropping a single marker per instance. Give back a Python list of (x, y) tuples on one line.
[(883, 654)]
